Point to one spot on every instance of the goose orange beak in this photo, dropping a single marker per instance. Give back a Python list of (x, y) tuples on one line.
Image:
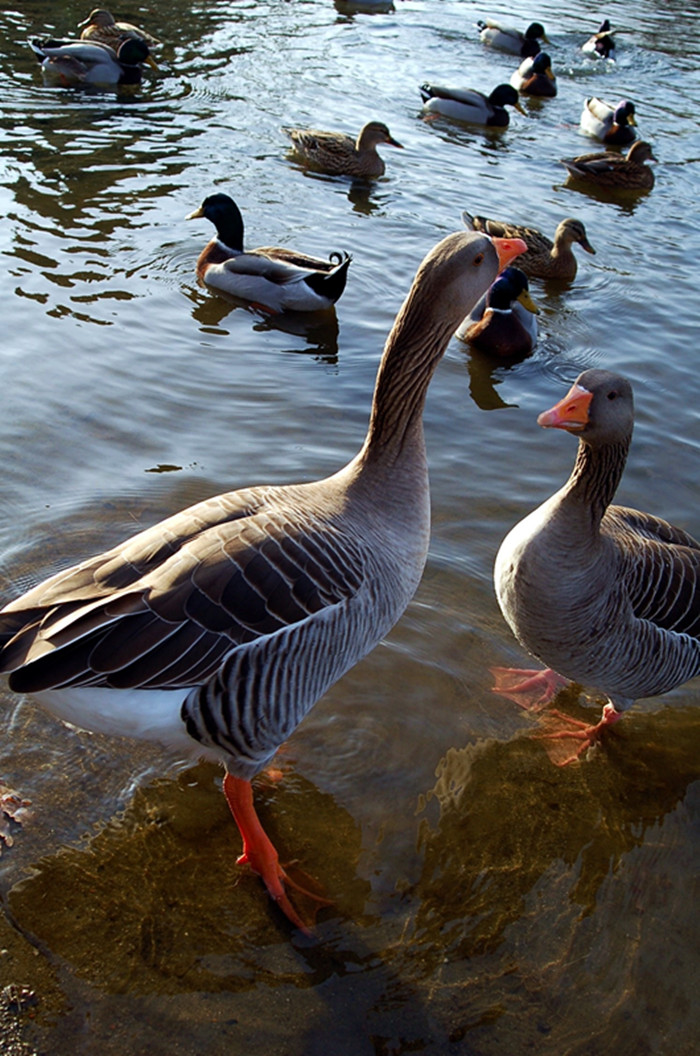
[(571, 413), (508, 249)]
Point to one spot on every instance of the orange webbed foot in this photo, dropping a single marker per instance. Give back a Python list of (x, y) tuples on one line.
[(569, 738), (531, 688)]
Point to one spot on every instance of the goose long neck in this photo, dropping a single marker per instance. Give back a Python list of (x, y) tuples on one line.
[(595, 477), (413, 349)]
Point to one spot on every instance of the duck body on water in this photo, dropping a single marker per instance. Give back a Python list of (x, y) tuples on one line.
[(272, 278)]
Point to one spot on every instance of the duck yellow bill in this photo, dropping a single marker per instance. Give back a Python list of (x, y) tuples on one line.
[(508, 249), (527, 302), (152, 63), (195, 213), (571, 413)]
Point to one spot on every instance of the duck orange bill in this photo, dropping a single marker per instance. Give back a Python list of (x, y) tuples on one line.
[(571, 413), (508, 249)]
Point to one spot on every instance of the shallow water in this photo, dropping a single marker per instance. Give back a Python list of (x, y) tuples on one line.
[(483, 901)]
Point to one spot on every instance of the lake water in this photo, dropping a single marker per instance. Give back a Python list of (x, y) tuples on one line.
[(484, 902)]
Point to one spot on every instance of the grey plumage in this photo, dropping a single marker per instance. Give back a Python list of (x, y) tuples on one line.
[(605, 595), (228, 620)]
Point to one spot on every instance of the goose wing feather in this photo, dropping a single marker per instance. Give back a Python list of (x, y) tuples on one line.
[(218, 575), (661, 569)]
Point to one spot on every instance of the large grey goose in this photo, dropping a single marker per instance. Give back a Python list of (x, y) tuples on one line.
[(215, 631), (604, 595)]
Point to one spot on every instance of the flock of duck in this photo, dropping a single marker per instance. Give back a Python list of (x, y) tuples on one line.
[(215, 631)]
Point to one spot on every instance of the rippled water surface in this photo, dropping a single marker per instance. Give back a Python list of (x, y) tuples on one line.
[(484, 902)]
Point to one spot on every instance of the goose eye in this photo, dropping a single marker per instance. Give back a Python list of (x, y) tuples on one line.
[(612, 395), (478, 259)]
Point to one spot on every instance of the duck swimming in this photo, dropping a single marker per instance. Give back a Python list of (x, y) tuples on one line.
[(466, 104), (609, 169), (602, 44), (338, 154), (545, 259), (271, 278), (507, 38), (77, 63), (100, 27), (504, 322), (608, 123), (535, 76)]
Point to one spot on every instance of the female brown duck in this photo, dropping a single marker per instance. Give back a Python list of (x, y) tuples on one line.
[(545, 259), (604, 595)]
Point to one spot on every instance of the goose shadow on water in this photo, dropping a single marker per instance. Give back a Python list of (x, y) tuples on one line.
[(120, 922), (319, 329), (547, 880)]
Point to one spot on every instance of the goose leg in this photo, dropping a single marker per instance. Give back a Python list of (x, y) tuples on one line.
[(530, 688), (582, 734), (259, 851)]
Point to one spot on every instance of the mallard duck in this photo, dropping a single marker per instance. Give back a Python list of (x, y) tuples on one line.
[(506, 38), (535, 76), (217, 630), (337, 154), (271, 278), (602, 44), (609, 169), (75, 63), (100, 27), (604, 595), (544, 259), (608, 123), (504, 322), (475, 108)]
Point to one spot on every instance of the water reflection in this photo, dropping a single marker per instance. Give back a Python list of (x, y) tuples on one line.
[(490, 140), (508, 819), (365, 196), (485, 373), (155, 903), (319, 329), (626, 201)]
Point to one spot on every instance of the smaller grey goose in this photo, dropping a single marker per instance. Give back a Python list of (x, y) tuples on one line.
[(215, 631), (604, 595)]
